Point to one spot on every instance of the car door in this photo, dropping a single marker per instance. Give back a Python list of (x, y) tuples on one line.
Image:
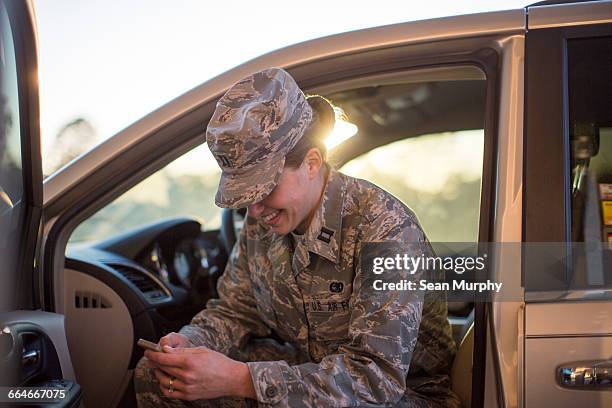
[(33, 348), (567, 270)]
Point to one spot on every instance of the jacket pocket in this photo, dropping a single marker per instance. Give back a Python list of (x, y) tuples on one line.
[(328, 316)]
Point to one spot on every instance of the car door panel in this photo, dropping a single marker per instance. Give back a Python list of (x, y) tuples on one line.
[(100, 364), (35, 353), (548, 355), (49, 329), (568, 314), (566, 335)]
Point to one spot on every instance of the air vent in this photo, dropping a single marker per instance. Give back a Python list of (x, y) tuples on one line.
[(90, 300), (149, 288)]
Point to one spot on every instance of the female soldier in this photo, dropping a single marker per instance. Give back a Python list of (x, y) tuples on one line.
[(300, 270)]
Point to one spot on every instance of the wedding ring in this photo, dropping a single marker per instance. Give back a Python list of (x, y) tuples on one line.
[(170, 387)]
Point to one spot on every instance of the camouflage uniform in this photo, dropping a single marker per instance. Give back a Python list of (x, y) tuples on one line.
[(147, 387), (356, 350), (345, 344)]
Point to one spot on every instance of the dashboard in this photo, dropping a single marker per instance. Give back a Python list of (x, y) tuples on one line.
[(163, 272)]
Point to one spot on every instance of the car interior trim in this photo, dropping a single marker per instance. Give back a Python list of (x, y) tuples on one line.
[(98, 363)]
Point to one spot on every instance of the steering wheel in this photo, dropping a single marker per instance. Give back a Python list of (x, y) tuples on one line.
[(231, 223)]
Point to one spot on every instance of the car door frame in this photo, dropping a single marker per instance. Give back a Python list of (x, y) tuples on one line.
[(25, 323), (23, 26)]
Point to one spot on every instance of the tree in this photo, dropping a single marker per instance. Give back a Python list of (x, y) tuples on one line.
[(73, 139)]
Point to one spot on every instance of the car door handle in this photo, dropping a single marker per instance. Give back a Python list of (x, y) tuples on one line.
[(30, 357), (585, 374)]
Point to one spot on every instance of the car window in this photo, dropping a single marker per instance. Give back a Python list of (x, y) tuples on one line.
[(185, 187), (438, 176), (590, 132), (12, 207), (423, 141), (11, 183)]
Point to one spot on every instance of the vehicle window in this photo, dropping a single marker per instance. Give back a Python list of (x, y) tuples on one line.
[(423, 142), (185, 187), (590, 126), (10, 136), (438, 176), (420, 141), (11, 175)]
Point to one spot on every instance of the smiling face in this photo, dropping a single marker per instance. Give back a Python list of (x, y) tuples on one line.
[(291, 204)]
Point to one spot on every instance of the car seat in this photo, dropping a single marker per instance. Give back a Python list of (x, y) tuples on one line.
[(461, 371)]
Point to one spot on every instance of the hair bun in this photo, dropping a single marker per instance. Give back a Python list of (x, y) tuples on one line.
[(325, 112)]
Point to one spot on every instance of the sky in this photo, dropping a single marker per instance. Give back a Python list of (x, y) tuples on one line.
[(112, 62)]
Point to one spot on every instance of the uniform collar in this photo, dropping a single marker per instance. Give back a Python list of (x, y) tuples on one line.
[(323, 235)]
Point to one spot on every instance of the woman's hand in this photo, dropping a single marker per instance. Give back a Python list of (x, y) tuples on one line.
[(200, 373), (172, 340), (175, 340)]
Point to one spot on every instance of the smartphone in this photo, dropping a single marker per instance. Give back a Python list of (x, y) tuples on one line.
[(147, 345)]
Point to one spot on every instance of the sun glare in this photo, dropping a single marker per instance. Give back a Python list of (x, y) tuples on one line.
[(343, 130)]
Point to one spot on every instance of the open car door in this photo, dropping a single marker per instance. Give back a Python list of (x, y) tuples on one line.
[(35, 364)]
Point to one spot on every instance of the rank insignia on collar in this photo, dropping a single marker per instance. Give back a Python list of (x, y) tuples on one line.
[(325, 235)]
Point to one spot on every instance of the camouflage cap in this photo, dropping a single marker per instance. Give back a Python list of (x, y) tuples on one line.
[(255, 124)]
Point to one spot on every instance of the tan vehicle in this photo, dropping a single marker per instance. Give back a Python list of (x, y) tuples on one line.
[(493, 127)]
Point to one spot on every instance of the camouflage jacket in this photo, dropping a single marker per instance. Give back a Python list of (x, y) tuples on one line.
[(361, 347)]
